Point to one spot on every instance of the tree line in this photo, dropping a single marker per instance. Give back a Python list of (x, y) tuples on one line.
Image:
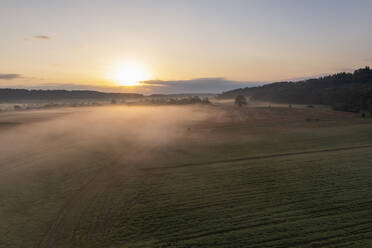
[(344, 91), (177, 101), (9, 95)]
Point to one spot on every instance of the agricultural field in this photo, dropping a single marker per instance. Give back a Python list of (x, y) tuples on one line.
[(185, 176)]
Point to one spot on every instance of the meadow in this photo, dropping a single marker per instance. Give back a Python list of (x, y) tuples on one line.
[(185, 176)]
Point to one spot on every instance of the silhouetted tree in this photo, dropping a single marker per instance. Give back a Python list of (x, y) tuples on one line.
[(206, 100), (240, 100), (195, 99)]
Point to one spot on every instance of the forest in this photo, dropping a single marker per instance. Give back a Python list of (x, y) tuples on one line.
[(11, 95), (343, 91)]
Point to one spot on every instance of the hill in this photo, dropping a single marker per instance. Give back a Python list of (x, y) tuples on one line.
[(344, 91), (8, 95)]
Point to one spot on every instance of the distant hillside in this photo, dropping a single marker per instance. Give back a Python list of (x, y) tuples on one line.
[(181, 95), (343, 91), (8, 95)]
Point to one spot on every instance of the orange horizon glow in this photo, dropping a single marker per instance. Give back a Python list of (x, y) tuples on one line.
[(129, 74)]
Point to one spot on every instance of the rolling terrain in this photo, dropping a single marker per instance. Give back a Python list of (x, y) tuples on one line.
[(185, 176), (344, 91)]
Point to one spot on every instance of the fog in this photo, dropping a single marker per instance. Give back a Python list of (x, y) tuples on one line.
[(48, 156), (129, 132)]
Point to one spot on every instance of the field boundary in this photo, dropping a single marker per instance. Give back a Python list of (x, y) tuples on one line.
[(259, 157)]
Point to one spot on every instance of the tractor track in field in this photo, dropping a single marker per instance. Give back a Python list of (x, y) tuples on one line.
[(66, 212), (258, 157), (75, 202), (51, 236), (96, 187)]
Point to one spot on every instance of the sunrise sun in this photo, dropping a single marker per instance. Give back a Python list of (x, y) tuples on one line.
[(129, 74)]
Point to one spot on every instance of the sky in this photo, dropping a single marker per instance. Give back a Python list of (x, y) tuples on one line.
[(179, 46)]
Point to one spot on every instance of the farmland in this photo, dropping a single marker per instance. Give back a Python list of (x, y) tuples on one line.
[(185, 176)]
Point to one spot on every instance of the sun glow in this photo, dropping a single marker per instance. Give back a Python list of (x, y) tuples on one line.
[(129, 74)]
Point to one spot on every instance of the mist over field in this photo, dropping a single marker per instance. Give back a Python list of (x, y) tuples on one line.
[(174, 176), (185, 124), (47, 154), (117, 130)]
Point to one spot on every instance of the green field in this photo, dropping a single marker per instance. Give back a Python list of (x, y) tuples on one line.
[(214, 176)]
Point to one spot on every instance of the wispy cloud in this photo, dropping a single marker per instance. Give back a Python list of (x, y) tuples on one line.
[(198, 85), (9, 76), (42, 37)]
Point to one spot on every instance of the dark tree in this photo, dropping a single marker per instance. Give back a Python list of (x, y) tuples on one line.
[(206, 100), (240, 100)]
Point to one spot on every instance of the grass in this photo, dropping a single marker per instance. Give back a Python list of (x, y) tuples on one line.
[(270, 203), (100, 196)]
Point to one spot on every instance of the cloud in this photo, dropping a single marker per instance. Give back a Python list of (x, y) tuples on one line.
[(42, 37), (9, 76), (198, 85)]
